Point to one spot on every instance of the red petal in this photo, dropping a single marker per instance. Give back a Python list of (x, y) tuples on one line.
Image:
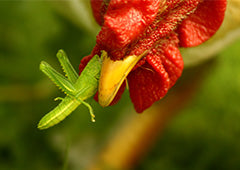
[(164, 24), (169, 60), (151, 81), (146, 86), (168, 53), (124, 21), (173, 63), (203, 23)]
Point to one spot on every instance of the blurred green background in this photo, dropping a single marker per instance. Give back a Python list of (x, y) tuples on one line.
[(206, 135)]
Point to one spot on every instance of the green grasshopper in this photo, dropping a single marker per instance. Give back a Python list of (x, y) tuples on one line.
[(77, 88)]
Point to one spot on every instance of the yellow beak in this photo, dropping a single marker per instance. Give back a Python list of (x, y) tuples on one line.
[(113, 73)]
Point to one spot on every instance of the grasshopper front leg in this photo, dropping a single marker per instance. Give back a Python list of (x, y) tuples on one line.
[(67, 66)]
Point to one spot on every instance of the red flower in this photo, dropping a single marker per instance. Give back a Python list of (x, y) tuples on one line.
[(145, 35)]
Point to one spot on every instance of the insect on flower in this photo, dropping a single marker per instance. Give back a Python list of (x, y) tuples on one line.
[(77, 88), (142, 38)]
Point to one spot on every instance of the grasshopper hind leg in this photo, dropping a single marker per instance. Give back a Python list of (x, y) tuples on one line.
[(89, 108)]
